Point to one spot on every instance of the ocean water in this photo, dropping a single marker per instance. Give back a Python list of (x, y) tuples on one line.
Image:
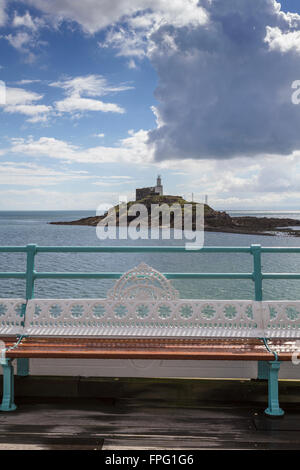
[(21, 228)]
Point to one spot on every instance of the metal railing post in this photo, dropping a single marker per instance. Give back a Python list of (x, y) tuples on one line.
[(257, 278), (23, 363), (257, 274), (31, 252)]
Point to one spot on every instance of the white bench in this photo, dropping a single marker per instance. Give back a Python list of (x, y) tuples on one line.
[(145, 317)]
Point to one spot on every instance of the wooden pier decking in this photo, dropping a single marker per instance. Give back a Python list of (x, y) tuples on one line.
[(149, 414)]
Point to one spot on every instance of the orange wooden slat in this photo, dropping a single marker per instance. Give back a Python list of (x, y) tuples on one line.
[(149, 348)]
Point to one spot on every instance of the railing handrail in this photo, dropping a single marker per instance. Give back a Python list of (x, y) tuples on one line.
[(257, 276), (179, 249), (119, 249), (142, 249)]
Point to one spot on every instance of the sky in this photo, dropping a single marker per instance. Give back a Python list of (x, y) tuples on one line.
[(97, 97)]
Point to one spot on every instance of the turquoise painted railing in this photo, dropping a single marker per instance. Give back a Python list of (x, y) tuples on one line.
[(257, 276)]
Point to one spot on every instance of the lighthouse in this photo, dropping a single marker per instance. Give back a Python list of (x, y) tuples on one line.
[(150, 191), (158, 187)]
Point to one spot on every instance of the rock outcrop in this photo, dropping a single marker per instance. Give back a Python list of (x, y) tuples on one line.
[(214, 221)]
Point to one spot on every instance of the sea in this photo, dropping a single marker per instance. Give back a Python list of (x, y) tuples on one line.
[(24, 227)]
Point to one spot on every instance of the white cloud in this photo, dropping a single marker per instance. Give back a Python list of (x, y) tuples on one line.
[(108, 184), (24, 43), (134, 40), (116, 177), (107, 181), (27, 82), (265, 183), (19, 100), (30, 174), (132, 149), (18, 96), (23, 102), (35, 111), (77, 103), (26, 21), (91, 86), (19, 40), (281, 41), (240, 182), (26, 39), (46, 199), (94, 15), (128, 42), (131, 64)]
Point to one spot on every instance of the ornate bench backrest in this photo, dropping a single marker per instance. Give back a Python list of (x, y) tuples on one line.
[(281, 319), (12, 314), (143, 303)]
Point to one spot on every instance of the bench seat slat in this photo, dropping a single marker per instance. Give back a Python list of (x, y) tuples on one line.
[(156, 348)]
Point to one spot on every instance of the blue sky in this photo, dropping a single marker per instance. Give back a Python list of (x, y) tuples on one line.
[(102, 96)]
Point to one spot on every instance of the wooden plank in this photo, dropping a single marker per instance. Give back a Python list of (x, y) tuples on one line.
[(61, 445), (166, 443), (48, 441), (134, 348), (89, 424), (286, 423)]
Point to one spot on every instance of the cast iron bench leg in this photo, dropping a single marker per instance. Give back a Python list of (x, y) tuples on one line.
[(273, 402), (23, 367), (8, 386), (262, 370)]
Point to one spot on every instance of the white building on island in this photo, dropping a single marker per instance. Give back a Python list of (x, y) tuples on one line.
[(157, 190)]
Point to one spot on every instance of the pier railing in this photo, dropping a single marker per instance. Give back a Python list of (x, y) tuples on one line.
[(256, 276)]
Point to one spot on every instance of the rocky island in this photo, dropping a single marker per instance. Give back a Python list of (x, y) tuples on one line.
[(214, 221)]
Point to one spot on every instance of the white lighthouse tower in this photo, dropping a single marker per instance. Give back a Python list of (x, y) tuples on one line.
[(159, 187)]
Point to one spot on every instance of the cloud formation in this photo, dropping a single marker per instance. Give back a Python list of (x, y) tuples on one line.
[(225, 88), (133, 149), (30, 174), (21, 101), (94, 15), (91, 86), (27, 21), (239, 182), (25, 35), (17, 199), (24, 102), (225, 70)]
